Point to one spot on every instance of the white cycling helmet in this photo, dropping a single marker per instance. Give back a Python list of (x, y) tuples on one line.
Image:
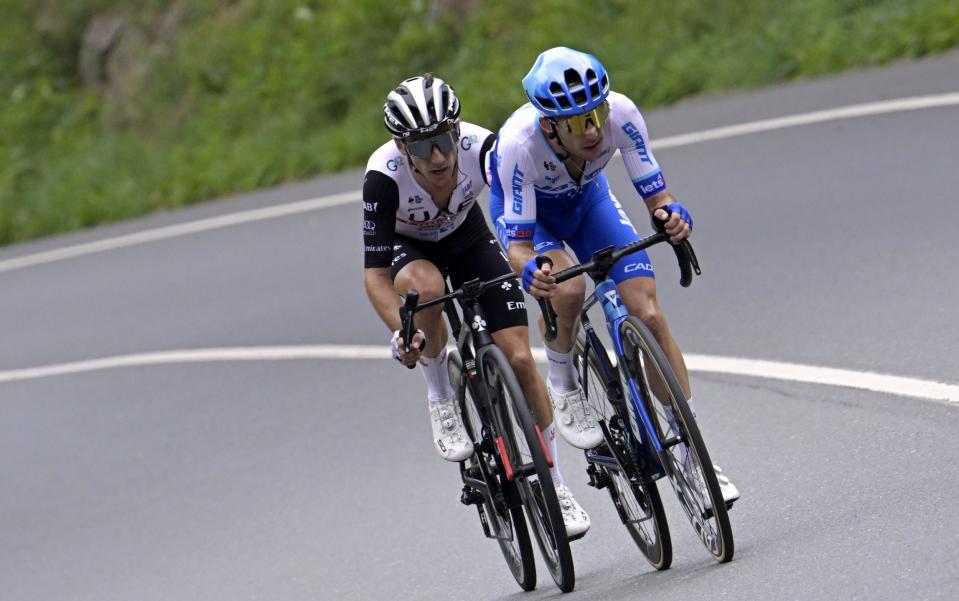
[(420, 105)]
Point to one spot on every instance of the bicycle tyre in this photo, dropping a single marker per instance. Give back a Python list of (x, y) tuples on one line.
[(673, 420), (637, 503), (523, 447), (507, 523)]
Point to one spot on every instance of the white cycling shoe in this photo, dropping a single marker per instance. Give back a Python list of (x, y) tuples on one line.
[(574, 418), (726, 487), (449, 435), (729, 490), (575, 518)]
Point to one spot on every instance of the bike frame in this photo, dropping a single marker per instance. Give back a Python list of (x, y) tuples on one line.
[(473, 329), (473, 341), (607, 296)]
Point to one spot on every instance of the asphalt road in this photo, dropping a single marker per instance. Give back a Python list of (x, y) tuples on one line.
[(828, 244)]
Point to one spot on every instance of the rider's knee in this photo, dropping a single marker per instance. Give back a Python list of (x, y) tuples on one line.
[(430, 287), (568, 299), (521, 360), (653, 318)]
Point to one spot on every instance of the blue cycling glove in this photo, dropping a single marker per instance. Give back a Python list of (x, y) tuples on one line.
[(683, 213), (528, 270)]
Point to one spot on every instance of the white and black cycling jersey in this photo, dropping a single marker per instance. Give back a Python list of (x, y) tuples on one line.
[(395, 204)]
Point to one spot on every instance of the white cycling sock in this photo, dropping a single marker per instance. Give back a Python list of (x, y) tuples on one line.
[(562, 370), (437, 377), (692, 408), (549, 435)]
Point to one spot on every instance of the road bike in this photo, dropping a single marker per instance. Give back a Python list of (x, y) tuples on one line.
[(649, 430), (508, 471)]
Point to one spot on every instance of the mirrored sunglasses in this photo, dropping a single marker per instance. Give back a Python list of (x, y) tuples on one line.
[(577, 124), (423, 148)]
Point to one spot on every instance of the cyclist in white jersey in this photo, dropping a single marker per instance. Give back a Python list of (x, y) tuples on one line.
[(422, 223), (548, 187)]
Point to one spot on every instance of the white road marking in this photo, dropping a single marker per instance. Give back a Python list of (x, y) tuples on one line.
[(857, 110), (172, 231), (848, 112), (791, 372)]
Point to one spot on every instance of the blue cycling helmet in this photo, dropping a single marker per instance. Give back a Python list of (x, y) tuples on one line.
[(566, 82)]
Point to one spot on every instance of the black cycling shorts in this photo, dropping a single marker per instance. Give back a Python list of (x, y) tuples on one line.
[(461, 260)]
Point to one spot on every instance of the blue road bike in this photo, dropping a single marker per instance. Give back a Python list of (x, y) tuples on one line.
[(649, 431)]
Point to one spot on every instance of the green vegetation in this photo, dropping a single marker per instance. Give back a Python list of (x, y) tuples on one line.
[(201, 98)]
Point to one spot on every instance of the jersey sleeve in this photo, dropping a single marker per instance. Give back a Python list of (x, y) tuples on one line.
[(381, 199), (484, 156), (514, 167), (475, 144), (633, 143)]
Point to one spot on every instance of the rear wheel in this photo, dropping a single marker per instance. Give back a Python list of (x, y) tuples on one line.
[(502, 519), (637, 502), (524, 446), (684, 456)]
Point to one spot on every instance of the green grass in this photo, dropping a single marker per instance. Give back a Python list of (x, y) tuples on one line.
[(251, 93)]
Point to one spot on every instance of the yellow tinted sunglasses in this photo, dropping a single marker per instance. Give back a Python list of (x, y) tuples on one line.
[(577, 123)]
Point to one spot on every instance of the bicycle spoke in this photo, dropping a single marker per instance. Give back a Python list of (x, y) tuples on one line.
[(638, 504), (684, 456), (506, 525)]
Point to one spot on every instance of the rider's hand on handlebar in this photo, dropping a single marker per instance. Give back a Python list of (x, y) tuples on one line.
[(399, 353), (679, 223), (538, 281)]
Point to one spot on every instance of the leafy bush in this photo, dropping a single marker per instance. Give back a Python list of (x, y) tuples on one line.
[(245, 94)]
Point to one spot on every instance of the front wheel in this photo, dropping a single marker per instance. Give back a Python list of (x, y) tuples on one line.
[(501, 519), (524, 446), (684, 455), (637, 502)]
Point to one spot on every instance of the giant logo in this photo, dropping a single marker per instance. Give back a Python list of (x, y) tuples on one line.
[(517, 190), (638, 140)]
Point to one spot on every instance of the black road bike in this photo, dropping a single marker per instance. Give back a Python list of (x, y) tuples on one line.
[(509, 468)]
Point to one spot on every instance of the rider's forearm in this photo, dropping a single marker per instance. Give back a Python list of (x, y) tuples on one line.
[(519, 255), (382, 296), (659, 200)]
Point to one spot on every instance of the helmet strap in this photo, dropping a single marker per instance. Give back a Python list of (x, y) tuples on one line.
[(554, 135)]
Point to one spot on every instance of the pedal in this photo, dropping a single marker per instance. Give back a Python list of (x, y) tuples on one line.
[(597, 479), (470, 496)]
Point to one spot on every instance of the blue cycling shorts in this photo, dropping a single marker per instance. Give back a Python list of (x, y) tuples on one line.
[(588, 221)]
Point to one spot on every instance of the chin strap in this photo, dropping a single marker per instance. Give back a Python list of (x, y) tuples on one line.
[(554, 135)]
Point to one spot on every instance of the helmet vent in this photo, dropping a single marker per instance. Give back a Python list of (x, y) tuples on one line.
[(576, 87), (559, 98), (593, 82), (546, 102)]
